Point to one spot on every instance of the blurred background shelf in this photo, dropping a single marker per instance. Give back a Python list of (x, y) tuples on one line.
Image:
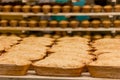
[(59, 29), (61, 14)]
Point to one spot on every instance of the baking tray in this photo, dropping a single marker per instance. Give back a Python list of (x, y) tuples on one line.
[(32, 76)]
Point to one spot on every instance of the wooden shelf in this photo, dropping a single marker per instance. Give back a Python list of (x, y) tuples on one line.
[(62, 14)]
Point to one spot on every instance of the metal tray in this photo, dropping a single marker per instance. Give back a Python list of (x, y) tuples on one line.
[(32, 76)]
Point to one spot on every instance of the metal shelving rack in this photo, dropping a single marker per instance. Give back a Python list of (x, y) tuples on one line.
[(111, 14), (59, 29), (62, 14)]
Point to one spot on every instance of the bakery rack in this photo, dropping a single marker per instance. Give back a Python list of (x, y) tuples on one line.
[(110, 14)]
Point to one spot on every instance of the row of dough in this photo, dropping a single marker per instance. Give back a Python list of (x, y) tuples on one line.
[(63, 23), (59, 8)]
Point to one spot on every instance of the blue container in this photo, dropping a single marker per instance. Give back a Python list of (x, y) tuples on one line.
[(61, 1), (80, 3)]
